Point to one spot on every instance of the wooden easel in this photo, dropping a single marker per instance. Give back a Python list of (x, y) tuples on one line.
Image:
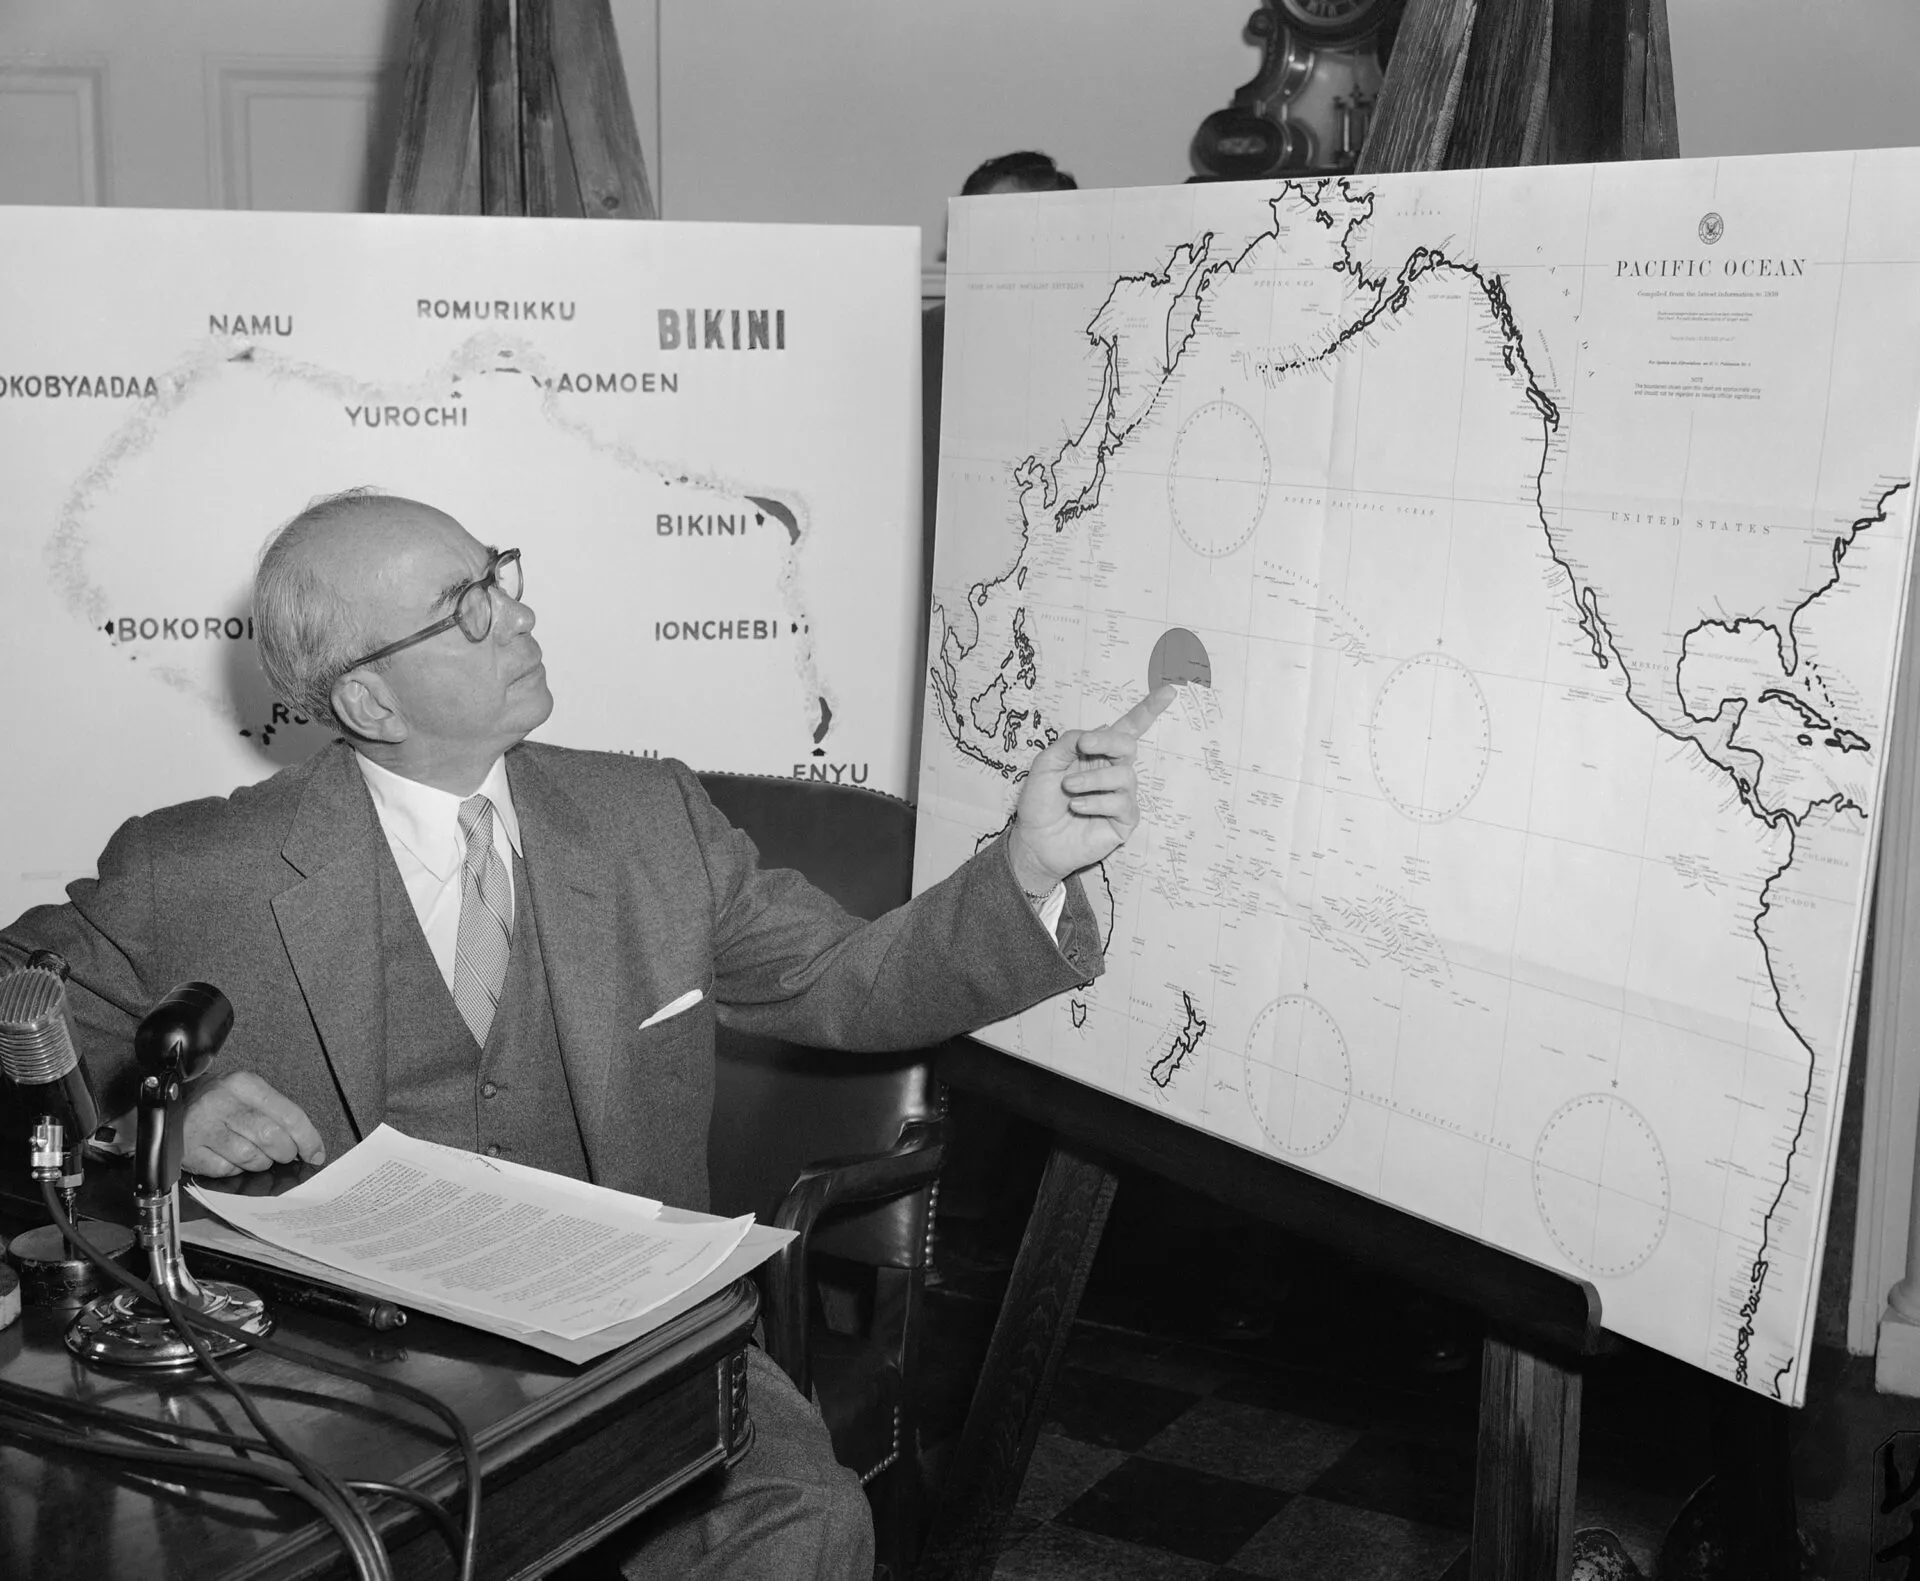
[(1472, 83), (517, 107)]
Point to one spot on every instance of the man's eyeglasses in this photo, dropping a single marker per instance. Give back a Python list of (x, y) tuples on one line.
[(472, 608)]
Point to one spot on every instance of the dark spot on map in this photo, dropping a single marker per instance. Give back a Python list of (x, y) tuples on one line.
[(781, 514), (242, 356), (826, 721), (1181, 658)]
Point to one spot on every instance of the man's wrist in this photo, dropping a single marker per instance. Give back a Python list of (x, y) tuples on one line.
[(1036, 882)]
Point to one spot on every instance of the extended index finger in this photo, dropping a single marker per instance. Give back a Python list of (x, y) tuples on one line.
[(1118, 740), (1138, 720)]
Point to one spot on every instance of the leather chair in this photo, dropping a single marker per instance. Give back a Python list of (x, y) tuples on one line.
[(845, 1150)]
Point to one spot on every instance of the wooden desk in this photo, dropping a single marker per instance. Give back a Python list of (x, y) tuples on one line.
[(569, 1453)]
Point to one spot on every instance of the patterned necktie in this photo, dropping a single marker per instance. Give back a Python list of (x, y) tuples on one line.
[(486, 921)]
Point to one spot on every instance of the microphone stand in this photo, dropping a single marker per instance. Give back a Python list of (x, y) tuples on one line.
[(174, 1044)]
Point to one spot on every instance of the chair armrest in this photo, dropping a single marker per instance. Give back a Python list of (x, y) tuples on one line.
[(912, 1163)]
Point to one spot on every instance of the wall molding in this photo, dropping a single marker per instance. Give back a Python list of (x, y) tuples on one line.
[(1890, 1099), (235, 83), (82, 78)]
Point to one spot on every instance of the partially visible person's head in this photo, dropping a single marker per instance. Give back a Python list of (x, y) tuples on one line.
[(1022, 172), (356, 571)]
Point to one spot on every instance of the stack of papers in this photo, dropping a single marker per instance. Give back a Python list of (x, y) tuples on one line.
[(570, 1268)]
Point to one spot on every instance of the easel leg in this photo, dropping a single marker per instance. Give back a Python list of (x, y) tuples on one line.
[(1016, 1380), (1525, 1471), (1753, 1486)]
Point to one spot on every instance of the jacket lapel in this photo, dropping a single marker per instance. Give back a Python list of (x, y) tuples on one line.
[(330, 924), (569, 883)]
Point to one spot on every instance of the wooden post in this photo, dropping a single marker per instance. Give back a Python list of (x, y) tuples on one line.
[(1649, 128), (500, 190), (1413, 121), (517, 107), (1502, 103), (591, 86), (1526, 1465), (1753, 1486), (1585, 95), (1476, 83), (546, 168), (1010, 1398), (433, 172)]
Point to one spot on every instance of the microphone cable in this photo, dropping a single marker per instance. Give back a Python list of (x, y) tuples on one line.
[(343, 1512), (47, 1417)]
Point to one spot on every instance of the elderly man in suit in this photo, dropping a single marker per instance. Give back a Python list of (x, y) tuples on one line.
[(522, 949)]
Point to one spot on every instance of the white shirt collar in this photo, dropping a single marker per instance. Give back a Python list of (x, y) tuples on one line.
[(427, 821)]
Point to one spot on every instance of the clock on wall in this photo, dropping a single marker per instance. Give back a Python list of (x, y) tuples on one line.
[(1330, 21), (1310, 104)]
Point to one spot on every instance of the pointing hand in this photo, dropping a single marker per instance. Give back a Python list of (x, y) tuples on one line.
[(1078, 803)]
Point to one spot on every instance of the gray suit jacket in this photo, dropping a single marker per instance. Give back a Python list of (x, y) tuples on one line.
[(643, 891)]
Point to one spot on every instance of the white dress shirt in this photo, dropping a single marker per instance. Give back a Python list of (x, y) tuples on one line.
[(1052, 909), (422, 826)]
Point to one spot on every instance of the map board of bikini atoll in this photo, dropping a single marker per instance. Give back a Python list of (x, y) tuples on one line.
[(1531, 548), (704, 439)]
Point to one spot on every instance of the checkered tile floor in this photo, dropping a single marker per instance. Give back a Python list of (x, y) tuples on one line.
[(1160, 1461), (1317, 1448)]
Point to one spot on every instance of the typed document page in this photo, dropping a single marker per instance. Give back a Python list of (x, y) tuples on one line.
[(468, 1235)]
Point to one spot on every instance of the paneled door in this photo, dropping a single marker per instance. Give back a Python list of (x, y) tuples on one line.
[(245, 104)]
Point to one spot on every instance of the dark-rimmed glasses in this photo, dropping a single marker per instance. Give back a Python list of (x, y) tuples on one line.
[(472, 608)]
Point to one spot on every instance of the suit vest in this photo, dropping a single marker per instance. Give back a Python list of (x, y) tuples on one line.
[(510, 1099)]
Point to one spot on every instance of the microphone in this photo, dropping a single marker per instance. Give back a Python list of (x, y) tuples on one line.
[(174, 1043), (36, 1053), (56, 1103), (179, 1036)]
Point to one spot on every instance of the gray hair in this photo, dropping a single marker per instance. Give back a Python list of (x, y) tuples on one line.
[(308, 634)]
